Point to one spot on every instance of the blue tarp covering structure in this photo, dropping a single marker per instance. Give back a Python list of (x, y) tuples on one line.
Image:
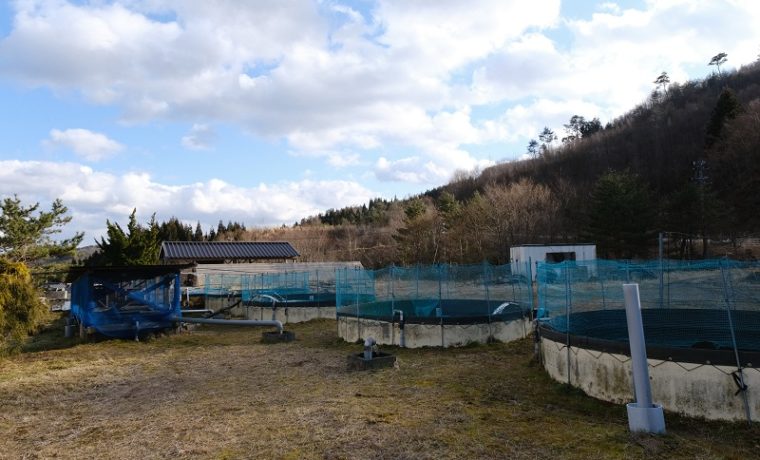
[(126, 302)]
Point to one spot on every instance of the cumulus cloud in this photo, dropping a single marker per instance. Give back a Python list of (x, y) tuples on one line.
[(84, 143), (330, 79), (616, 53), (321, 75), (200, 137), (526, 121), (93, 196)]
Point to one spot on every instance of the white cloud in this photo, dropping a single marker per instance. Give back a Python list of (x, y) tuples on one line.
[(84, 143), (94, 196), (320, 75), (526, 121), (343, 84), (609, 65), (409, 169), (200, 137)]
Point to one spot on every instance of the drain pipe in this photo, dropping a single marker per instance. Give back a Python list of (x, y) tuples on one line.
[(230, 322), (401, 338)]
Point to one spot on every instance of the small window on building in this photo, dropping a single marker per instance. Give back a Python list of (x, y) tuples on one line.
[(557, 257)]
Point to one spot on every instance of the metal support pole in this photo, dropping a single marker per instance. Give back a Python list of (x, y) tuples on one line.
[(178, 295), (356, 302), (440, 307), (486, 280), (642, 415), (533, 302), (727, 288), (417, 282), (662, 281), (567, 317)]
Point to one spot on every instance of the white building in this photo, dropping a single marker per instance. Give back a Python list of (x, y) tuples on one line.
[(535, 253)]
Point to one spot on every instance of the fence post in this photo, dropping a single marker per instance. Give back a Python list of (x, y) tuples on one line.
[(393, 297), (356, 298), (486, 279), (533, 302), (662, 280), (728, 296), (440, 283), (440, 305), (567, 317), (177, 310), (205, 290)]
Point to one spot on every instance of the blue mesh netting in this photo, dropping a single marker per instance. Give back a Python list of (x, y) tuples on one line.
[(699, 304), (315, 288), (126, 308), (424, 293)]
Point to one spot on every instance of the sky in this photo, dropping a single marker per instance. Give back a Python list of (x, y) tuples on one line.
[(266, 112)]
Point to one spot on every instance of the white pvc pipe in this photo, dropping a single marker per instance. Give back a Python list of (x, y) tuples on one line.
[(643, 416), (638, 345)]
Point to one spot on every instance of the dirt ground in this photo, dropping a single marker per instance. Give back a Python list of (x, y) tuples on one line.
[(218, 393)]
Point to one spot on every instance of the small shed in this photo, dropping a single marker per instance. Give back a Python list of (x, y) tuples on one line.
[(529, 255), (218, 252)]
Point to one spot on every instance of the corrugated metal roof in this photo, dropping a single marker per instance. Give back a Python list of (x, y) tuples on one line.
[(226, 250)]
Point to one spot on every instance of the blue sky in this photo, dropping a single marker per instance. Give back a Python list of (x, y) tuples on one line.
[(268, 112)]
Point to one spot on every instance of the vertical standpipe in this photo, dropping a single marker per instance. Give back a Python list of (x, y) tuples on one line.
[(643, 415)]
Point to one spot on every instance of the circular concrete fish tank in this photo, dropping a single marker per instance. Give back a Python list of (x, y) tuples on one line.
[(434, 323), (693, 365), (296, 307)]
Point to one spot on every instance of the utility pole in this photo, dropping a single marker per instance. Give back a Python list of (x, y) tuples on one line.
[(701, 179)]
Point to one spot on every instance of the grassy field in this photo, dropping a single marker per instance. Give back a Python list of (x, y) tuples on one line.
[(219, 393)]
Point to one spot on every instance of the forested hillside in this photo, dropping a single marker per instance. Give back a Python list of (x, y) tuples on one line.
[(685, 162), (700, 134)]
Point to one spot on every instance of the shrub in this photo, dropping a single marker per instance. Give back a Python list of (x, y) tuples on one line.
[(21, 310)]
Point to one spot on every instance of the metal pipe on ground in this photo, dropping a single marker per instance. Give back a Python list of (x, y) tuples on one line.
[(231, 322)]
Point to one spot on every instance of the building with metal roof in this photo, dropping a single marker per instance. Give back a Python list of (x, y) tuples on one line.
[(226, 251)]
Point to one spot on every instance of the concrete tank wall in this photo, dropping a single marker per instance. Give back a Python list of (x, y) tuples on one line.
[(353, 329), (289, 314), (696, 390)]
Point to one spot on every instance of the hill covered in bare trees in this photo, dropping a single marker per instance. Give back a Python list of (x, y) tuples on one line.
[(685, 162)]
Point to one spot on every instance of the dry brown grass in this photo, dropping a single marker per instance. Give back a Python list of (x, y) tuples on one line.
[(219, 393)]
